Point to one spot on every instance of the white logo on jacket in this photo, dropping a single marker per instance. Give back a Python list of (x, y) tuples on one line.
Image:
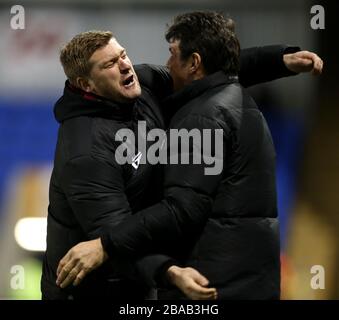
[(136, 160)]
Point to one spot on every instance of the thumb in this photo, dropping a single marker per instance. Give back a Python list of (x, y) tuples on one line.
[(200, 279)]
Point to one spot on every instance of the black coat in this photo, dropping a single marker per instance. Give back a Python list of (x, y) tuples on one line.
[(238, 249), (89, 191)]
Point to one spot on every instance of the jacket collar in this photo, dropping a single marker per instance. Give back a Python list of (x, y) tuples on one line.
[(76, 102), (196, 88)]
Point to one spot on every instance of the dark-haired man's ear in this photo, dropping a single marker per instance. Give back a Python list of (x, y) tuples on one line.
[(195, 62), (83, 84)]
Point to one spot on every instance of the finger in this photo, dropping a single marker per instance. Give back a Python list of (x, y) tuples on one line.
[(215, 295), (81, 275), (60, 266), (199, 290), (63, 262), (65, 271), (207, 295), (317, 62), (304, 61), (70, 277), (321, 66), (317, 68), (315, 59), (309, 55)]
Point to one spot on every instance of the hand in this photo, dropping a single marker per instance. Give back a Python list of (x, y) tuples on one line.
[(192, 283), (303, 61), (79, 261)]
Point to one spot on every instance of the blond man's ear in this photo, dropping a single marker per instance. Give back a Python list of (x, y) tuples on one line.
[(83, 84)]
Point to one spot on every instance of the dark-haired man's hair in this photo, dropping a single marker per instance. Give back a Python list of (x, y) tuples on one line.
[(211, 35)]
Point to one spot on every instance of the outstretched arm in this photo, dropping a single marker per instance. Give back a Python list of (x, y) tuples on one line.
[(257, 65), (262, 64)]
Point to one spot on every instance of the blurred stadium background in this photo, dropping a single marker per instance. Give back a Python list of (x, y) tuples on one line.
[(302, 113)]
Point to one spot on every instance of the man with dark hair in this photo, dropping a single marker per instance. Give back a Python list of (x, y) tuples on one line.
[(233, 241), (197, 34)]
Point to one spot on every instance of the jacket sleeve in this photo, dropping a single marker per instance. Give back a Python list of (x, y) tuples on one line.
[(95, 192), (262, 64), (152, 269), (188, 192), (257, 65)]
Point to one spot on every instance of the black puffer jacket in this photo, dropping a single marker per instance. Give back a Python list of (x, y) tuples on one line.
[(238, 248), (89, 189)]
